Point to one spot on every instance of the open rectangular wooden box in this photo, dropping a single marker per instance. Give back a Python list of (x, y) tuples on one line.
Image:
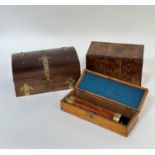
[(100, 92)]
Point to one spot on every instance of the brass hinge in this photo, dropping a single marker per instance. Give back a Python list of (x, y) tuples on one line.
[(26, 89), (70, 82), (45, 63), (65, 49), (21, 54)]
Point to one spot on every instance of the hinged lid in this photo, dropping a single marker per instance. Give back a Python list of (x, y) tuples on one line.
[(117, 91), (131, 51), (26, 61)]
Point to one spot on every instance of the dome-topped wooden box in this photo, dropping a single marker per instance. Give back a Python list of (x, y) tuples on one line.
[(45, 70)]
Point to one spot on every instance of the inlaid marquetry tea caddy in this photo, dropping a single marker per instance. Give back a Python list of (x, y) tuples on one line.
[(121, 61)]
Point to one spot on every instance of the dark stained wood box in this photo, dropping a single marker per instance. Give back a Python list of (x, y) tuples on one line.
[(121, 61), (45, 70), (104, 101)]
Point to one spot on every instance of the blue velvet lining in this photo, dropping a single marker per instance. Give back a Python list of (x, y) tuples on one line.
[(124, 94)]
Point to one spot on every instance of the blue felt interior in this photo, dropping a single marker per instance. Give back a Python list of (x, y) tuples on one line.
[(124, 94)]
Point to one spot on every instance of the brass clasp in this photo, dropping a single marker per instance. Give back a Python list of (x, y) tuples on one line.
[(26, 89), (45, 62)]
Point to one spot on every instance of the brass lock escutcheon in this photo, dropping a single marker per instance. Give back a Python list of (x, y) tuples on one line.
[(90, 115), (45, 63), (70, 82), (26, 89)]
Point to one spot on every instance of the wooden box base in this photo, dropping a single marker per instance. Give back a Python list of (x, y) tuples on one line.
[(99, 120), (106, 112)]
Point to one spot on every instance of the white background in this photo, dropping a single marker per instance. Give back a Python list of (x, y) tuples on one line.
[(37, 121)]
